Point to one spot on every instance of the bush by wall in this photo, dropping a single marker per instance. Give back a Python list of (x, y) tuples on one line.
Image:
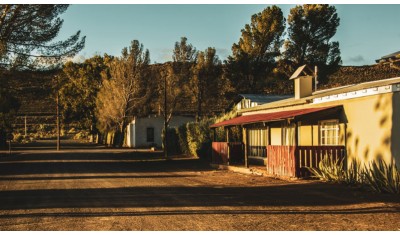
[(378, 175), (173, 141)]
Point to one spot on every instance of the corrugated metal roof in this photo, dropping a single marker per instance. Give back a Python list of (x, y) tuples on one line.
[(267, 117)]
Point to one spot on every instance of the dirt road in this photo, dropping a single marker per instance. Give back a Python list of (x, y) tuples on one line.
[(103, 189)]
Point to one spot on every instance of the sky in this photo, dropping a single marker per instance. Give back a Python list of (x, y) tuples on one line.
[(366, 32)]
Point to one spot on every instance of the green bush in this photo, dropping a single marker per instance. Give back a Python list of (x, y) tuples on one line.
[(328, 170), (383, 177), (173, 141), (378, 176), (182, 139)]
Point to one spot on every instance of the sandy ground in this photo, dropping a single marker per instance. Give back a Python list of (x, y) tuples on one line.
[(93, 188)]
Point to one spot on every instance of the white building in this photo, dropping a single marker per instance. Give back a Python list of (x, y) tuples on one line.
[(144, 132)]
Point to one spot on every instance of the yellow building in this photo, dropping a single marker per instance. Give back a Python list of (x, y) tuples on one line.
[(356, 122)]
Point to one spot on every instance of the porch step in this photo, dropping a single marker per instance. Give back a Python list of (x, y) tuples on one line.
[(242, 170)]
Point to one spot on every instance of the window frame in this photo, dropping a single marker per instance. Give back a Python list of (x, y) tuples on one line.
[(329, 135)]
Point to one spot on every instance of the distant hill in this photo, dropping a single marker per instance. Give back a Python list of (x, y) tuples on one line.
[(33, 89), (347, 75)]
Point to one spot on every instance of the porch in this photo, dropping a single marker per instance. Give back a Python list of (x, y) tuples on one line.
[(287, 161), (287, 143)]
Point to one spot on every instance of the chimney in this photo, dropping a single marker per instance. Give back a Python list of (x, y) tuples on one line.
[(302, 84)]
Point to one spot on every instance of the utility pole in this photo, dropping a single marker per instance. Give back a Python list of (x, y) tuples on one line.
[(58, 123), (26, 132), (165, 119), (316, 77)]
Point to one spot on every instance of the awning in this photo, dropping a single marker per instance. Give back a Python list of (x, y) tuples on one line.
[(268, 117)]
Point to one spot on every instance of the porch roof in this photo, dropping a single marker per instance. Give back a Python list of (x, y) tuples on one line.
[(268, 117)]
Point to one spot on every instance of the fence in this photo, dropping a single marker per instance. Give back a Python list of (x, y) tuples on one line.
[(227, 153), (292, 161)]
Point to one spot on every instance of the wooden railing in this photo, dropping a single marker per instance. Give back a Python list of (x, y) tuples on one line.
[(219, 152), (310, 156), (290, 161), (281, 160), (227, 153), (293, 161)]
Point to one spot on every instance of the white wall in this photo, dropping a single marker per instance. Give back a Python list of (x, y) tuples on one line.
[(139, 139)]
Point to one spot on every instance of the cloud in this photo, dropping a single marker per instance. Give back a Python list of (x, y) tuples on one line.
[(356, 59), (162, 55), (222, 53)]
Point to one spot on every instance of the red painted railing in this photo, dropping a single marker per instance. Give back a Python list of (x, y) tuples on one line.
[(290, 161), (281, 160), (220, 152)]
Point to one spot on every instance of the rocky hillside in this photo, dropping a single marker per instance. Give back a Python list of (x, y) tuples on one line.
[(357, 74)]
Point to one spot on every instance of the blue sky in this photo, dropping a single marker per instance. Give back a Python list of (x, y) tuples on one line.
[(366, 32)]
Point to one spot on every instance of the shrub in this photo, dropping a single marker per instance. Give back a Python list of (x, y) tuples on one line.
[(383, 177), (378, 176), (18, 138), (182, 139), (328, 170), (173, 141)]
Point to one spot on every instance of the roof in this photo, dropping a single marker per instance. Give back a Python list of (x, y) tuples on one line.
[(322, 93), (355, 87), (262, 99), (268, 117), (386, 57)]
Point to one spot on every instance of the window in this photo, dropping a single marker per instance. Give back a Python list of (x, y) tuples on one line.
[(287, 133), (257, 142), (329, 132), (150, 134)]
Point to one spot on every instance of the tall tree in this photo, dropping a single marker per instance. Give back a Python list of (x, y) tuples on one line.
[(125, 93), (207, 83), (26, 36), (79, 85), (176, 77), (8, 107), (311, 28), (254, 56), (184, 52)]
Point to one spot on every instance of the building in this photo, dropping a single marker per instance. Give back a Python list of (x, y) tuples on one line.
[(243, 101), (359, 122), (144, 132)]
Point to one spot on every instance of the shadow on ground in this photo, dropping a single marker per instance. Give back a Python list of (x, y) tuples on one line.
[(285, 197)]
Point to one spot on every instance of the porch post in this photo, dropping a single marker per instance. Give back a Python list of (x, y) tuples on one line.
[(246, 159), (227, 142), (296, 157), (296, 131)]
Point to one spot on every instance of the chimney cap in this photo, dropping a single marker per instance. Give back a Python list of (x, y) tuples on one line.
[(298, 71)]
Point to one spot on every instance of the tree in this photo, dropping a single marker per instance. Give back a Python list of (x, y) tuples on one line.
[(254, 56), (184, 52), (125, 93), (175, 79), (207, 83), (79, 85), (26, 35), (311, 28), (8, 107)]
